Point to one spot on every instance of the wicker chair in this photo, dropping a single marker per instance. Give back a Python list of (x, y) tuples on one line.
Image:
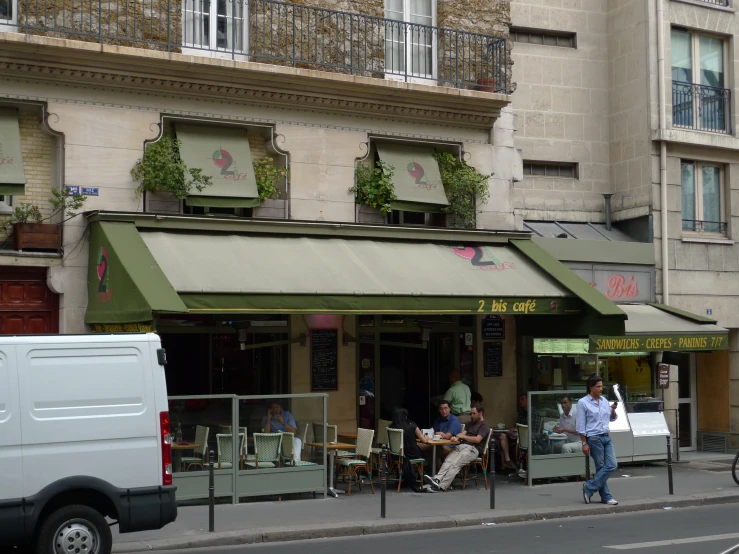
[(382, 425), (353, 466), (522, 448), (481, 462), (288, 451), (395, 448), (266, 450), (224, 444), (201, 438)]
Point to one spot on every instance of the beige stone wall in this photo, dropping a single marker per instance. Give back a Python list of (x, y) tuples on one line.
[(499, 393), (734, 388)]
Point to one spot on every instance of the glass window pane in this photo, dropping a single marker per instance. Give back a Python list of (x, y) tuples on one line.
[(422, 7), (687, 182), (564, 41), (394, 6), (682, 66), (550, 40), (711, 199), (552, 171), (536, 39), (522, 37), (567, 171), (527, 169), (6, 10), (537, 169), (712, 62)]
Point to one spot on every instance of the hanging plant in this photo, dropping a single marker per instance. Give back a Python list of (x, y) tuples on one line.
[(374, 186), (465, 187), (162, 170), (268, 175)]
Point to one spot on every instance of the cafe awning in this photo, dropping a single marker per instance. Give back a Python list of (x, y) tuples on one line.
[(222, 153), (417, 179), (658, 328), (12, 175), (135, 272)]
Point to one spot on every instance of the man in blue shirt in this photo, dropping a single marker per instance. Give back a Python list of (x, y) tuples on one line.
[(593, 417), (447, 425), (278, 420)]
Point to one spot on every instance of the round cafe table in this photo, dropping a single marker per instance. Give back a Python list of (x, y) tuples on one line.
[(435, 443)]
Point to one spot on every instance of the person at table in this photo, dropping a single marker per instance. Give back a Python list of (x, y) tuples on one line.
[(411, 450), (471, 446), (278, 420), (505, 441), (447, 425), (568, 426), (459, 397)]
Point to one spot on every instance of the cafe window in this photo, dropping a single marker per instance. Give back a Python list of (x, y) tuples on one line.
[(703, 198)]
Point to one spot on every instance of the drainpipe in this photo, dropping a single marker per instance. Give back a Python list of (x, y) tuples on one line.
[(662, 147), (607, 198)]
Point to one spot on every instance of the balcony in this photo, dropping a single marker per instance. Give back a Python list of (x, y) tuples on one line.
[(701, 107), (279, 33)]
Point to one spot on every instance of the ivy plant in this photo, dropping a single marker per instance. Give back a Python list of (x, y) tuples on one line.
[(268, 176), (374, 186), (464, 187), (162, 170)]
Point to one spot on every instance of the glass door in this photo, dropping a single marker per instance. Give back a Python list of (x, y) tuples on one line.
[(410, 39)]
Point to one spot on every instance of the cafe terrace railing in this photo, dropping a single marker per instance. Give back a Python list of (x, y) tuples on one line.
[(279, 33), (190, 416)]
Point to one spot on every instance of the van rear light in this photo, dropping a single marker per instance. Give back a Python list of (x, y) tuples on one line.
[(166, 439)]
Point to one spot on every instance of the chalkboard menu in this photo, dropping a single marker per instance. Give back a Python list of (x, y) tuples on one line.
[(493, 327), (492, 359), (324, 354)]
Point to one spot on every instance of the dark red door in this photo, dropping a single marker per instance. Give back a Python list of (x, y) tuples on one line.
[(27, 306)]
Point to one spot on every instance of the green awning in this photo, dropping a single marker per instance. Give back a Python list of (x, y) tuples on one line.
[(12, 176), (124, 282), (417, 179), (659, 328), (222, 153)]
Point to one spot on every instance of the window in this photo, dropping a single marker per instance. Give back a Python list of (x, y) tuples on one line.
[(398, 217), (543, 37), (6, 204), (410, 44), (214, 26), (205, 210), (562, 170), (703, 198), (8, 15), (699, 99)]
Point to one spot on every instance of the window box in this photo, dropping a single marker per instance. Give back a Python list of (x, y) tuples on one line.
[(37, 236)]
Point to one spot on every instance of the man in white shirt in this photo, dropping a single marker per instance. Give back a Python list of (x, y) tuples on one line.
[(568, 426)]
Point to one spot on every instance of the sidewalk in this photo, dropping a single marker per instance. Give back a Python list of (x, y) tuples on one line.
[(706, 480)]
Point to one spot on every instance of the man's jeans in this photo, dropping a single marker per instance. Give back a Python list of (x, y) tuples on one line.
[(601, 450)]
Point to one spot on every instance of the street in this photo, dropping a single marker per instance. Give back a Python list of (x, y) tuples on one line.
[(707, 530)]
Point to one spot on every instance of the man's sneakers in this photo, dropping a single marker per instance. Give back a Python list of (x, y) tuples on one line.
[(585, 494), (433, 483), (611, 502)]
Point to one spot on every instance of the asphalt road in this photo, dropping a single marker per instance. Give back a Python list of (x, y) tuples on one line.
[(707, 530)]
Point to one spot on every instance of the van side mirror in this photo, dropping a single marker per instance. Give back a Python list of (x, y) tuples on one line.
[(162, 357)]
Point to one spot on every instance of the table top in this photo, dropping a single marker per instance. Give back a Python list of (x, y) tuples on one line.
[(188, 446), (350, 435), (333, 446), (441, 442), (557, 436)]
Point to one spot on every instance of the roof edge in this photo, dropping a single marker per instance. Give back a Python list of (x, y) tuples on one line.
[(683, 314)]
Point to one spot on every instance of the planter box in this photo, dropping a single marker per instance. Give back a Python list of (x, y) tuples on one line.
[(38, 236)]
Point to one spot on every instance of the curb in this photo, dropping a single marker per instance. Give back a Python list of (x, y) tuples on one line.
[(355, 529)]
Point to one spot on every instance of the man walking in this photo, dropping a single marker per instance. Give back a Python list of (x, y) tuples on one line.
[(471, 446), (593, 415)]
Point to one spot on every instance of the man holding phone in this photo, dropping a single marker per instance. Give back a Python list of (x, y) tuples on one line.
[(593, 417), (278, 420)]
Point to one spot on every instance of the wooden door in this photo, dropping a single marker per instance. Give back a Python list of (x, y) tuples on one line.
[(27, 305), (712, 377)]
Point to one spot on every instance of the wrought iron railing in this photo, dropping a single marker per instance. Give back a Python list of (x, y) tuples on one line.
[(281, 33), (701, 107), (704, 226)]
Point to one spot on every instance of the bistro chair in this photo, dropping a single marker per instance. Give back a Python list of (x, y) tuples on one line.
[(395, 449), (382, 425), (481, 462), (333, 436), (353, 466), (201, 438), (288, 451), (266, 450), (224, 445), (522, 448)]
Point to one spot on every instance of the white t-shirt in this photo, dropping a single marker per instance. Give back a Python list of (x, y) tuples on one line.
[(570, 422)]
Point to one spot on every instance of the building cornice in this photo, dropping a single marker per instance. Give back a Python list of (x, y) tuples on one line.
[(136, 69)]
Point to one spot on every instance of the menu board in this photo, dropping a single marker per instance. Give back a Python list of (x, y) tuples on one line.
[(324, 355), (561, 346), (493, 327), (492, 353)]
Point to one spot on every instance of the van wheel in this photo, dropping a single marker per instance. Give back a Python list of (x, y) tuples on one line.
[(74, 529)]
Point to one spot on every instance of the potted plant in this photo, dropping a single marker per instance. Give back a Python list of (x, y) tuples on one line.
[(464, 187), (28, 227), (374, 186)]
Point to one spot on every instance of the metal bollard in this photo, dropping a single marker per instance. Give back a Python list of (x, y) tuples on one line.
[(491, 472), (211, 493), (383, 479), (669, 465)]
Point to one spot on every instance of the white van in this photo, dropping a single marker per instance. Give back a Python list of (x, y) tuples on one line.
[(84, 434)]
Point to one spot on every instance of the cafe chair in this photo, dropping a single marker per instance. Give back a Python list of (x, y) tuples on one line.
[(288, 451), (353, 466), (395, 449), (333, 436), (267, 448), (382, 425), (481, 462), (224, 445), (522, 447), (201, 438)]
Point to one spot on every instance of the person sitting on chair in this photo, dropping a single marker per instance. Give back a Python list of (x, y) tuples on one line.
[(447, 425), (278, 420), (567, 425), (411, 451)]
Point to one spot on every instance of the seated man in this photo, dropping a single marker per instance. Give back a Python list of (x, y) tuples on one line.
[(447, 425), (567, 425), (278, 420), (506, 441), (471, 446)]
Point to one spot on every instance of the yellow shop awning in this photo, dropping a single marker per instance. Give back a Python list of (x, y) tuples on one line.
[(417, 179), (222, 153), (12, 175)]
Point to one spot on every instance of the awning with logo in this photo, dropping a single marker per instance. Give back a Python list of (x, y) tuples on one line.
[(153, 268), (417, 179), (222, 153), (12, 175)]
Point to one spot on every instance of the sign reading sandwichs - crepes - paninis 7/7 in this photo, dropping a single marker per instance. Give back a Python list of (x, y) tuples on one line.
[(659, 343)]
